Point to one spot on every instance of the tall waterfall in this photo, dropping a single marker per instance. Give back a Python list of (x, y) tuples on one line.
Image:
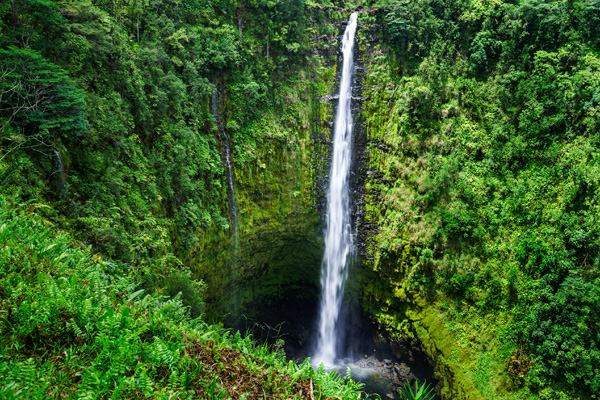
[(338, 237)]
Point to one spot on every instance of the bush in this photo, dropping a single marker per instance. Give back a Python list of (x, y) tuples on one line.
[(191, 292), (562, 334)]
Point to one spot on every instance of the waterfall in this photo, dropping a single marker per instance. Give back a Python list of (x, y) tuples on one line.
[(62, 181), (232, 201), (233, 209), (233, 305), (338, 236)]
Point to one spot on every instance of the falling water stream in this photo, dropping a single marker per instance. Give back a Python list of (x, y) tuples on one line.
[(62, 182), (233, 209), (233, 255), (338, 236)]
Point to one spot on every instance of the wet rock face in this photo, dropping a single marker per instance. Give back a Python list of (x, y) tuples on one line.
[(411, 363), (360, 157), (391, 375), (401, 375)]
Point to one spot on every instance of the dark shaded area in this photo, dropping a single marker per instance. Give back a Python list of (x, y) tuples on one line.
[(389, 364)]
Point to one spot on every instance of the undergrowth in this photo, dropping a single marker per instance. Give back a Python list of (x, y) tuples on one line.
[(73, 325)]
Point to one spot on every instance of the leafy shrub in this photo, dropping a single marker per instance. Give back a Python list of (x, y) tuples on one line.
[(458, 284), (191, 292), (38, 96), (423, 392), (562, 333)]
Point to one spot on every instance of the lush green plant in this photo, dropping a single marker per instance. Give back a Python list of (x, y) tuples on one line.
[(38, 96), (190, 291), (423, 392), (73, 324)]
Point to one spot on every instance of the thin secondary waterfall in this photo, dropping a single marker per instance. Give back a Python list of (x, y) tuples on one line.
[(62, 182), (232, 258), (338, 236), (232, 201)]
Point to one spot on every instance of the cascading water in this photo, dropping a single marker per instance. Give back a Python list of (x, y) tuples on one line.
[(338, 236), (62, 182), (233, 260), (232, 200), (233, 210)]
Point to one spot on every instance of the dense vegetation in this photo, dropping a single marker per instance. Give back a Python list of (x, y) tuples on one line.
[(107, 111), (121, 91), (112, 118), (488, 196), (73, 325), (484, 158)]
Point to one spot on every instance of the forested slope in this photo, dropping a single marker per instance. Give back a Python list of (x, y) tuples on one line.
[(75, 326), (107, 131), (485, 146), (106, 112), (483, 241)]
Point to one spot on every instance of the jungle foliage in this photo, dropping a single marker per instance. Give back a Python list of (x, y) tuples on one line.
[(119, 93), (74, 325), (483, 117), (107, 129), (487, 194)]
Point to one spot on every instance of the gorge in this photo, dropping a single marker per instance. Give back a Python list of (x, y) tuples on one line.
[(174, 191)]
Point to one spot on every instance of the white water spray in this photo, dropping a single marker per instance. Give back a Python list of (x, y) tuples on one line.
[(338, 237)]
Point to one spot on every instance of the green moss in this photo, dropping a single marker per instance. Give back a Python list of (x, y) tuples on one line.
[(274, 259)]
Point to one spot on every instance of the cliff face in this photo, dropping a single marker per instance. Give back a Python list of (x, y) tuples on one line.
[(269, 270), (480, 166)]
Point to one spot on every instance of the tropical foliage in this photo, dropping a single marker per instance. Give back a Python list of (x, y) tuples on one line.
[(423, 392), (483, 186), (487, 114), (72, 324)]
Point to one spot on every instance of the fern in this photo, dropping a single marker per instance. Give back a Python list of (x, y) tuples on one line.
[(423, 392), (98, 336)]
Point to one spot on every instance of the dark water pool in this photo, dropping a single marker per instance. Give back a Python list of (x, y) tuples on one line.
[(383, 368)]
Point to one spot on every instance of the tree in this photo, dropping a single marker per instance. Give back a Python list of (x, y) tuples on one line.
[(37, 24), (37, 99)]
